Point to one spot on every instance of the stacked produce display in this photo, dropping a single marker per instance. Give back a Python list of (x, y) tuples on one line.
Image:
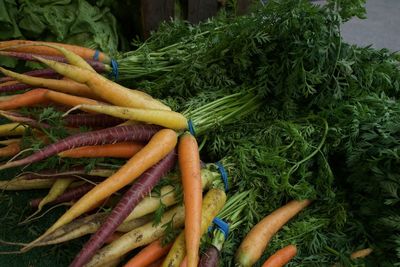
[(255, 140)]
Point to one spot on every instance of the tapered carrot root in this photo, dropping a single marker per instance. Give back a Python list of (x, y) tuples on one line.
[(162, 143), (281, 257), (139, 237), (149, 254), (16, 117), (362, 253), (213, 202), (65, 86), (12, 86), (117, 150), (86, 53), (189, 165), (255, 242), (106, 89), (105, 136), (165, 118), (29, 98), (129, 200)]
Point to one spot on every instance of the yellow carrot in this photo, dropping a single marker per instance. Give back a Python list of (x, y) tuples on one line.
[(12, 129), (106, 89), (166, 118)]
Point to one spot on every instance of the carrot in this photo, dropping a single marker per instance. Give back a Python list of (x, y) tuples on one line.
[(77, 171), (16, 117), (210, 257), (69, 100), (13, 86), (138, 237), (11, 149), (117, 150), (106, 89), (149, 254), (84, 52), (71, 194), (255, 242), (47, 73), (29, 98), (166, 118), (162, 143), (59, 186), (91, 120), (168, 196), (65, 86), (281, 257), (189, 165), (105, 136), (362, 253), (157, 263), (12, 129), (84, 226), (18, 184), (129, 200), (214, 200)]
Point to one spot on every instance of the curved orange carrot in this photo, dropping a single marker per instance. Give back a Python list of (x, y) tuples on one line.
[(84, 52), (158, 147), (117, 150), (255, 242), (65, 86), (29, 98), (149, 254), (11, 149), (281, 257), (108, 90), (189, 164)]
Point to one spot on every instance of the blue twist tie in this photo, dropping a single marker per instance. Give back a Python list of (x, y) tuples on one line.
[(224, 175), (191, 127), (96, 55), (222, 226), (114, 65)]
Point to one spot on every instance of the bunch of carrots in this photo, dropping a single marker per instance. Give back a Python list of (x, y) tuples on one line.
[(154, 144)]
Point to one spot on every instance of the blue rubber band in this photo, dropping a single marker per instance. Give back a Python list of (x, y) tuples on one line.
[(96, 55), (222, 226), (191, 127), (114, 65), (224, 175)]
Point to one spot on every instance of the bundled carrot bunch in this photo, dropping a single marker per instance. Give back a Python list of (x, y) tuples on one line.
[(150, 139)]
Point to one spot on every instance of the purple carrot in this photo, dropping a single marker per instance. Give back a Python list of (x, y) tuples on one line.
[(210, 257), (97, 65), (68, 195), (91, 120), (138, 132), (47, 73), (14, 87), (143, 185)]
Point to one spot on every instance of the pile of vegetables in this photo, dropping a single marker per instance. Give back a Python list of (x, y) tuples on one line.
[(304, 124)]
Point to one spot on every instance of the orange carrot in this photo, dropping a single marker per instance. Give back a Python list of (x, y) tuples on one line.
[(65, 86), (69, 100), (281, 257), (84, 52), (189, 164), (117, 150), (157, 263), (29, 98), (11, 149), (149, 254), (158, 147), (255, 242), (105, 89), (362, 253)]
